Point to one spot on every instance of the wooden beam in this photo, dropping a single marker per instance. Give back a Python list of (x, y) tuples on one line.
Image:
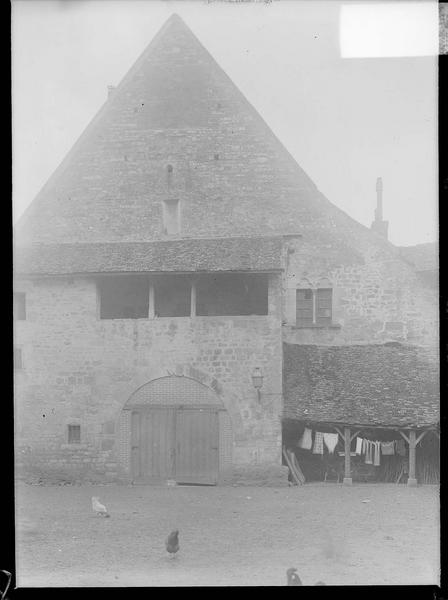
[(404, 436), (421, 436), (339, 431), (297, 470), (347, 471), (354, 435), (296, 480), (412, 481)]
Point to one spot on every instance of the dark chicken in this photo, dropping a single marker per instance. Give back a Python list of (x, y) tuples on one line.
[(292, 577), (172, 543)]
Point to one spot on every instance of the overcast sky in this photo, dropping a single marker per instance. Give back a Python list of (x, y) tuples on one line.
[(346, 121)]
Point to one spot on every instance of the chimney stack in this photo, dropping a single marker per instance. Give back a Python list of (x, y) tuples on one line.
[(379, 226), (110, 90), (379, 199)]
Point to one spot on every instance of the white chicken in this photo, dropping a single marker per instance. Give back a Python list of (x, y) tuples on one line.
[(99, 508)]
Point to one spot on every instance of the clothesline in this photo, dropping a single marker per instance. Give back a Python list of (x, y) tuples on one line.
[(371, 449), (370, 426)]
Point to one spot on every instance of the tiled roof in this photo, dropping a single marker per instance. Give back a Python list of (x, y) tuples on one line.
[(226, 254), (382, 384)]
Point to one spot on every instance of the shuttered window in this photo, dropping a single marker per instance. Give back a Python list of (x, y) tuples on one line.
[(314, 307), (323, 306), (304, 308)]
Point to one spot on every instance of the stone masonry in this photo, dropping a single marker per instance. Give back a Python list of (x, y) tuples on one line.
[(82, 370)]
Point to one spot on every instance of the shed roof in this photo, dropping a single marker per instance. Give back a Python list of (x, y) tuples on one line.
[(388, 384), (186, 255)]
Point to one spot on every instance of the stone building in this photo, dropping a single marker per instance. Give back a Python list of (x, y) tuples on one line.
[(160, 272)]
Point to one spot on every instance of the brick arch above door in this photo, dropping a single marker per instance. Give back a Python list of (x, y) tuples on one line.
[(225, 393), (174, 390)]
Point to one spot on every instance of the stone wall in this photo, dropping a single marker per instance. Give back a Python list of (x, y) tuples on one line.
[(377, 297), (79, 369)]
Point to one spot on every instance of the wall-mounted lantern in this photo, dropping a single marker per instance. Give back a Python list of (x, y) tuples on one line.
[(257, 380)]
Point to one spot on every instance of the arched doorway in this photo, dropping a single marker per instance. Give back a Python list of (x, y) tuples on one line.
[(175, 431)]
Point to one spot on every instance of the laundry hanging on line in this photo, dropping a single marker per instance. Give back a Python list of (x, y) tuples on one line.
[(387, 448), (331, 441), (376, 453), (306, 440), (318, 447), (368, 451), (371, 449)]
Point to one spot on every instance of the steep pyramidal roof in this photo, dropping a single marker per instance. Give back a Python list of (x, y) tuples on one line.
[(233, 177)]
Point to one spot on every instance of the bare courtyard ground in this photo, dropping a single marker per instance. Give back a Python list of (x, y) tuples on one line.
[(228, 536)]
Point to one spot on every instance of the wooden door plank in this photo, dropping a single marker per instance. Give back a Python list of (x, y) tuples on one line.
[(196, 446), (135, 445), (156, 444)]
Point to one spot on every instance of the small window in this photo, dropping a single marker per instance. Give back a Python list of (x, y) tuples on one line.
[(74, 434), (323, 306), (171, 217), (304, 308), (124, 297), (19, 306), (18, 360)]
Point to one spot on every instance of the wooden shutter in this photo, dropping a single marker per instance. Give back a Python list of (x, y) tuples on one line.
[(290, 308), (304, 308), (323, 306)]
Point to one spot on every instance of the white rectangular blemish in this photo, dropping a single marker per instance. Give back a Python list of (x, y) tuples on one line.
[(389, 29)]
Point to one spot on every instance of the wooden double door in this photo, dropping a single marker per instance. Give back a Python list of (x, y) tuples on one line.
[(178, 443)]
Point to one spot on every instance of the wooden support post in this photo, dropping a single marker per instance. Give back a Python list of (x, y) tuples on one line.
[(314, 307), (347, 474), (151, 300), (412, 444)]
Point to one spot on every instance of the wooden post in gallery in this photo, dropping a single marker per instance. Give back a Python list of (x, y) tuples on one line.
[(412, 479), (347, 472), (412, 443)]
